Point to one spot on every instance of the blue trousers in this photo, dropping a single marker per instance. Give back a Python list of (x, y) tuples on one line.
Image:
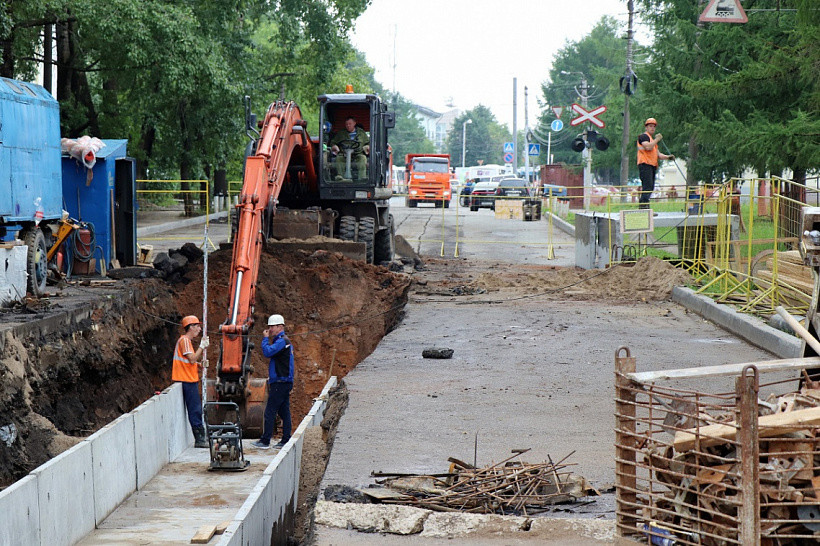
[(278, 403), (190, 394)]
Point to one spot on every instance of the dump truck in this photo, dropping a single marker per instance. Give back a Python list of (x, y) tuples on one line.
[(428, 179)]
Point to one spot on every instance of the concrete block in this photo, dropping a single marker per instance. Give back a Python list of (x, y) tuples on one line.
[(114, 465), (750, 328), (65, 494), (372, 518), (19, 505), (179, 432), (451, 525), (256, 514), (13, 274), (151, 440), (232, 535)]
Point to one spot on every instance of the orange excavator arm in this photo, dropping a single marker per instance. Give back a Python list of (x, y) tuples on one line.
[(282, 137)]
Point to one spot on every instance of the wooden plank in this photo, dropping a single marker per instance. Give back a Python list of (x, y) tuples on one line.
[(222, 527), (204, 534), (726, 369), (769, 426), (383, 494)]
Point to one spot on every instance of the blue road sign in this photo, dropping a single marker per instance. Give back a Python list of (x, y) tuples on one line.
[(508, 148), (534, 149), (508, 157), (556, 125)]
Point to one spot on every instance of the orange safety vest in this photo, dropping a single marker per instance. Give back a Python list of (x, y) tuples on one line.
[(184, 370), (649, 157)]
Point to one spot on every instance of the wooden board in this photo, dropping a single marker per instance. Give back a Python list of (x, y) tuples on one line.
[(769, 426), (726, 369), (512, 209), (204, 534)]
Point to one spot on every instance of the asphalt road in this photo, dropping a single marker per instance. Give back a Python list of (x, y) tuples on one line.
[(525, 373)]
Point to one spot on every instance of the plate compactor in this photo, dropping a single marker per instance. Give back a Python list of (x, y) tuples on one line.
[(225, 439)]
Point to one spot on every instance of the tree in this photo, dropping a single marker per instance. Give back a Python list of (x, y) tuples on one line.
[(742, 95), (485, 138), (597, 59)]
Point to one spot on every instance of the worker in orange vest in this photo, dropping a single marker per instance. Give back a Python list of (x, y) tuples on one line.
[(648, 156), (187, 364)]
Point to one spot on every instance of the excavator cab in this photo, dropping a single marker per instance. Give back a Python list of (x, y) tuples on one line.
[(354, 163)]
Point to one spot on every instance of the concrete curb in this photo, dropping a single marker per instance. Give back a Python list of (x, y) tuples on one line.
[(168, 226), (750, 328), (562, 224)]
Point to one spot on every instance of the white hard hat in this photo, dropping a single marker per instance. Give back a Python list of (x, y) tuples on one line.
[(275, 320)]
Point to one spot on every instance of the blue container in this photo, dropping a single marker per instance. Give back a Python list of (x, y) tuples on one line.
[(29, 156), (94, 201)]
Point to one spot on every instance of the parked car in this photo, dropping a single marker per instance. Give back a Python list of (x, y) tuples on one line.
[(483, 195), (512, 188), (553, 189)]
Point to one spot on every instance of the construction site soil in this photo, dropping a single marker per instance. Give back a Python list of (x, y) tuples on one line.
[(63, 381), (61, 384)]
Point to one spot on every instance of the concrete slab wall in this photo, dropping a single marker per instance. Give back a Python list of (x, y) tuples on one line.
[(62, 500), (271, 507), (65, 491), (173, 410), (13, 275), (114, 465), (151, 440), (19, 506)]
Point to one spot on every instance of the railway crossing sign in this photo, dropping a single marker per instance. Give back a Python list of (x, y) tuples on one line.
[(556, 125), (508, 157), (589, 116), (723, 11), (534, 149), (508, 148)]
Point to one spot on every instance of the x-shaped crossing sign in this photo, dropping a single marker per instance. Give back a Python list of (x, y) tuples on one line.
[(588, 116)]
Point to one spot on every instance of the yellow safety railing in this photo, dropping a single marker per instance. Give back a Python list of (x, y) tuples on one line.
[(162, 196)]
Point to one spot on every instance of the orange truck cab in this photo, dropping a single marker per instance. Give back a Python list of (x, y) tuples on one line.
[(428, 179)]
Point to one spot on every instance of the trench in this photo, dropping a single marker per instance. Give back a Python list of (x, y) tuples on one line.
[(68, 371)]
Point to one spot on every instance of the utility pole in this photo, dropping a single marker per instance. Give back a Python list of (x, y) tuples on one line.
[(587, 153), (515, 126), (526, 139), (395, 31), (628, 88)]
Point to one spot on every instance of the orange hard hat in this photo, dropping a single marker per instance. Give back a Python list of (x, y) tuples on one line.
[(189, 320), (653, 121)]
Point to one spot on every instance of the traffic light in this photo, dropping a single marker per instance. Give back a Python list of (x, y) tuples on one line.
[(578, 144), (600, 141)]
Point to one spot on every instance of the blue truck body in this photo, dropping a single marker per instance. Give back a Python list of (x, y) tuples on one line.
[(30, 164)]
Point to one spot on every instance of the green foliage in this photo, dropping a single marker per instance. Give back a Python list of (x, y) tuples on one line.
[(485, 138), (170, 76), (747, 94), (598, 58)]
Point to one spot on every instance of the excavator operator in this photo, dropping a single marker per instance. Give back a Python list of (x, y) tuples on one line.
[(352, 141)]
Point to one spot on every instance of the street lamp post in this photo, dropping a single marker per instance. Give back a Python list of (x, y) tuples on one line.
[(464, 140)]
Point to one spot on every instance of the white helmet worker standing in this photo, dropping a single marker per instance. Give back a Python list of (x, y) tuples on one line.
[(276, 320)]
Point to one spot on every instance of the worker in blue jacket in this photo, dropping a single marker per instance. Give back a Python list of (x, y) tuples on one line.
[(277, 347)]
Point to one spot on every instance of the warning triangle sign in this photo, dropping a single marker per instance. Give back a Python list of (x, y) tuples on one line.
[(723, 11)]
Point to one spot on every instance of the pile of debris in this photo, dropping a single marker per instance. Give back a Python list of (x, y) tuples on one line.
[(508, 487), (699, 479)]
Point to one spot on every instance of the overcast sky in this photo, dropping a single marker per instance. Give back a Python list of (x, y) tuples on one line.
[(470, 50)]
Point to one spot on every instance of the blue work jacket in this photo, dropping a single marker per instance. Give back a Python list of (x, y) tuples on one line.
[(280, 353)]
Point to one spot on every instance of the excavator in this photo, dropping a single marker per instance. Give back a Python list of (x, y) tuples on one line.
[(294, 186)]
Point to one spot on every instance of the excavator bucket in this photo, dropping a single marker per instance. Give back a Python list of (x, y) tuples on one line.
[(251, 408)]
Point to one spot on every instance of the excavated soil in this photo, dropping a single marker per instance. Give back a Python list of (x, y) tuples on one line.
[(61, 386), (336, 311)]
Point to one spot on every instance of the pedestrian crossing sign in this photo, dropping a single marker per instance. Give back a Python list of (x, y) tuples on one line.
[(534, 149), (508, 148)]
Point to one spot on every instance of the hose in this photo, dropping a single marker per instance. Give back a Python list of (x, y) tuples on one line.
[(80, 251)]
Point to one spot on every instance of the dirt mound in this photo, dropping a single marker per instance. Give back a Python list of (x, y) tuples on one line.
[(336, 311), (650, 279)]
